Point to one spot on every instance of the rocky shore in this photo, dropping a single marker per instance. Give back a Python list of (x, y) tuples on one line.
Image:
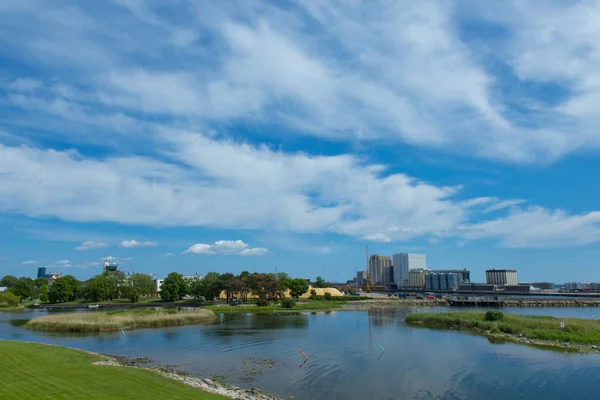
[(522, 302), (207, 385), (547, 344)]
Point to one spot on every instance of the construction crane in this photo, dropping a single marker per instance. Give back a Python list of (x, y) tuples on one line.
[(367, 271)]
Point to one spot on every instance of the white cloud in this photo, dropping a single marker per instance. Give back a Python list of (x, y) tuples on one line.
[(168, 254), (62, 262), (397, 71), (90, 245), (108, 258), (226, 247), (538, 227), (30, 262), (128, 244)]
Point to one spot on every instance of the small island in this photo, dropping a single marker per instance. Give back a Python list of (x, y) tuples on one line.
[(572, 334), (112, 321)]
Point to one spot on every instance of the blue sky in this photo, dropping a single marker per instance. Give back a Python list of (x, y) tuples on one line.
[(229, 136)]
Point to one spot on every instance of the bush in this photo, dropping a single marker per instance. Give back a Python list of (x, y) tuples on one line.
[(262, 303), (7, 299), (313, 292), (327, 296), (288, 303), (494, 316)]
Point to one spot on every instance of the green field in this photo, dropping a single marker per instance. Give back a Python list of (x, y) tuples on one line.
[(35, 371), (117, 320), (576, 331)]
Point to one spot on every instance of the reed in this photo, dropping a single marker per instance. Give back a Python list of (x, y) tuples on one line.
[(580, 331), (116, 320)]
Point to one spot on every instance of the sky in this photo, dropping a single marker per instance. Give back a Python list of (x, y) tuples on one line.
[(259, 135)]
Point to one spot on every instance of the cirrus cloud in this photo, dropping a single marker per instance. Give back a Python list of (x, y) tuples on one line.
[(128, 244), (91, 245)]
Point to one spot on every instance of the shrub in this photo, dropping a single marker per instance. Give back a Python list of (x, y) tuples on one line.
[(494, 316), (262, 303), (288, 303), (7, 299), (313, 292), (327, 296)]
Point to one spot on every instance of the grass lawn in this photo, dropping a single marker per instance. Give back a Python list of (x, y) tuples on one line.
[(580, 331), (116, 320), (311, 305), (36, 371)]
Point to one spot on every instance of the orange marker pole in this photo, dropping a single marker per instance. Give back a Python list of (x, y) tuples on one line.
[(305, 356)]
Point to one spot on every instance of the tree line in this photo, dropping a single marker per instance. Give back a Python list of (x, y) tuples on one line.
[(266, 287), (110, 285)]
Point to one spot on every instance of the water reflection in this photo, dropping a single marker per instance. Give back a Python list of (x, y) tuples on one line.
[(345, 361)]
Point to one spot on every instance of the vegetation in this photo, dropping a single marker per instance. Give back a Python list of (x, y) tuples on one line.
[(297, 287), (66, 288), (494, 316), (269, 309), (580, 331), (116, 320), (9, 300), (174, 287), (9, 281), (36, 371), (327, 296), (288, 303), (321, 283)]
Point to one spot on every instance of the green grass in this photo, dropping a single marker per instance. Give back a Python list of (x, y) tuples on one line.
[(316, 305), (35, 371), (579, 331), (116, 320)]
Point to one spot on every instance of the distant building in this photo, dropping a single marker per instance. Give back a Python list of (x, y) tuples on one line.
[(446, 279), (582, 286), (41, 272), (380, 270), (501, 277), (477, 287), (190, 278), (518, 288), (360, 278), (544, 285), (416, 277), (157, 286), (403, 263)]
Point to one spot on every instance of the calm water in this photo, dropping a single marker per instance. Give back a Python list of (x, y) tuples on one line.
[(345, 360)]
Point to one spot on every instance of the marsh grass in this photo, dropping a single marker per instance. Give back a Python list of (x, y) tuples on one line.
[(581, 331), (117, 320)]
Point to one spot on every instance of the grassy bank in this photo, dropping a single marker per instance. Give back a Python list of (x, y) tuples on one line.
[(116, 320), (310, 305), (542, 328), (35, 371)]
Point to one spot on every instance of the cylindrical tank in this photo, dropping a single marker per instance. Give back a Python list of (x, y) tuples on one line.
[(452, 281), (428, 281), (435, 281), (443, 282)]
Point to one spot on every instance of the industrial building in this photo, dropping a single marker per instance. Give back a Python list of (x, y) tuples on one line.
[(477, 287), (501, 277), (446, 279), (416, 277), (380, 270), (403, 263), (50, 277), (582, 286)]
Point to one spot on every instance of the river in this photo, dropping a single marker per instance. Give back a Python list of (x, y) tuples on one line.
[(345, 360)]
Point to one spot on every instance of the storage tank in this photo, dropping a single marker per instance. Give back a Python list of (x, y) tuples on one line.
[(428, 284), (443, 282), (452, 281), (435, 281)]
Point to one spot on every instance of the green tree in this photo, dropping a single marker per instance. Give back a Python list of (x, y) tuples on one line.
[(207, 287), (143, 284), (321, 283), (284, 279), (226, 283), (297, 287), (267, 287), (174, 287), (64, 289), (40, 289), (9, 281), (99, 288), (24, 288)]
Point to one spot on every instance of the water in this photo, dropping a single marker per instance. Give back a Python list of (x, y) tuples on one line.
[(345, 360)]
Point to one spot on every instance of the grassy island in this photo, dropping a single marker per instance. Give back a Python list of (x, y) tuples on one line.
[(577, 334), (36, 371), (117, 320)]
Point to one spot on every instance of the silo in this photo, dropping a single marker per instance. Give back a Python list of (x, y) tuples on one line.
[(452, 281), (443, 282), (435, 281), (428, 284)]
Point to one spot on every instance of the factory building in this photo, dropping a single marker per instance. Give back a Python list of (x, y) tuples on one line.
[(416, 277), (446, 279), (380, 270), (501, 277), (403, 263)]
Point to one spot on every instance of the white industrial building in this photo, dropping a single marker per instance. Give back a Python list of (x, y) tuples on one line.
[(403, 263), (501, 277)]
